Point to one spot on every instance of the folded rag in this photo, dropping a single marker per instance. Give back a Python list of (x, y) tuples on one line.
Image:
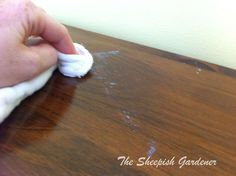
[(72, 65)]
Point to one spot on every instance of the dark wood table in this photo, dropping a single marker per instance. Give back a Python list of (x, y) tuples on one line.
[(137, 102)]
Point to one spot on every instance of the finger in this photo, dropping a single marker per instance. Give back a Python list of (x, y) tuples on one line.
[(37, 59), (53, 32), (30, 63)]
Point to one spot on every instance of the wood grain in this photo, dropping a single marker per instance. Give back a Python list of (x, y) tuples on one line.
[(136, 102)]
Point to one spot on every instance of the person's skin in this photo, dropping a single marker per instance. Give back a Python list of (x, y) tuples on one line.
[(20, 19)]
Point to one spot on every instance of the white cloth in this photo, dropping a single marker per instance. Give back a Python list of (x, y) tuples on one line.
[(76, 65)]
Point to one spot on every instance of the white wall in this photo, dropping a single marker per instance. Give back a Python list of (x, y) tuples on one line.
[(204, 29)]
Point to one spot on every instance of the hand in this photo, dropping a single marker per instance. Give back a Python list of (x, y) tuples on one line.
[(20, 19)]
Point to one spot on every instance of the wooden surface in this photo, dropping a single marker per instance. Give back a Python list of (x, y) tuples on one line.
[(136, 102)]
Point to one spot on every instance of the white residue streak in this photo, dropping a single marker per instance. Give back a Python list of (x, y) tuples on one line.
[(199, 70), (152, 148)]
